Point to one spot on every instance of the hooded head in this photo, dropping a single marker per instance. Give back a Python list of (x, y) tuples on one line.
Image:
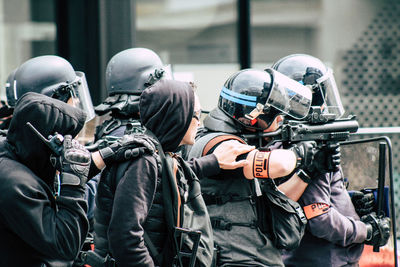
[(48, 116), (166, 109)]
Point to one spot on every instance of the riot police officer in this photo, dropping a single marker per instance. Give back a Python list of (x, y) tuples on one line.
[(250, 106), (335, 234)]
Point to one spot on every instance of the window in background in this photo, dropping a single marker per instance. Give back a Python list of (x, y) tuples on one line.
[(197, 37), (27, 29)]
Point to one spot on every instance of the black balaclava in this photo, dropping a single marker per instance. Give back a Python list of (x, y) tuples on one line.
[(166, 109), (48, 116)]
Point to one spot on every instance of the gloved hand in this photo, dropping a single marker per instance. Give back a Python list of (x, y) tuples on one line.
[(127, 147), (316, 161), (305, 153), (327, 159), (363, 202), (73, 163), (378, 229)]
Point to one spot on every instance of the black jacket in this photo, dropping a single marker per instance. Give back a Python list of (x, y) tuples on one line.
[(35, 227), (166, 109)]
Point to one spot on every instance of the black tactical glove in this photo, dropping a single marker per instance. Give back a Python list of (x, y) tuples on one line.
[(305, 152), (127, 147), (316, 161), (73, 163), (364, 202), (378, 229), (327, 159)]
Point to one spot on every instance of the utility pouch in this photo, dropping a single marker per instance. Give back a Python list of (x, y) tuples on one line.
[(280, 218)]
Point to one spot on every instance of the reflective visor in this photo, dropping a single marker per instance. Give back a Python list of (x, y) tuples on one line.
[(80, 96), (289, 96), (330, 94), (241, 107)]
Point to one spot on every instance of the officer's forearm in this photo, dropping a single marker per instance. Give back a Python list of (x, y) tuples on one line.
[(96, 165), (293, 188), (269, 164), (98, 160)]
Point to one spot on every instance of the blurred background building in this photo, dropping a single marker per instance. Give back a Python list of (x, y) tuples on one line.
[(205, 41)]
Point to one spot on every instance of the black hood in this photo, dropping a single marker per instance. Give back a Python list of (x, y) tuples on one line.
[(166, 109), (48, 116)]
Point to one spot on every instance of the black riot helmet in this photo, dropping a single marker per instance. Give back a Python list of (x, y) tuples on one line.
[(311, 71), (55, 77), (133, 70), (253, 98), (128, 73)]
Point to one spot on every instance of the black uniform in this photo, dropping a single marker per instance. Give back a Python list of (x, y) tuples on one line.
[(37, 228), (230, 199)]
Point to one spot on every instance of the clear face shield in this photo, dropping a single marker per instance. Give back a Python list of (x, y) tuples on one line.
[(329, 94), (80, 96), (288, 96), (256, 99)]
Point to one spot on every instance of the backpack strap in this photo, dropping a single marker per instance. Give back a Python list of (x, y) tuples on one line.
[(178, 196), (222, 199), (219, 139), (157, 256), (221, 224), (171, 199)]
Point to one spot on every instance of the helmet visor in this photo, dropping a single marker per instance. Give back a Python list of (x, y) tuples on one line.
[(246, 108), (330, 94), (289, 96), (80, 96)]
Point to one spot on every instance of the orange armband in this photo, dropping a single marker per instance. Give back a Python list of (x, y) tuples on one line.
[(315, 209), (261, 164)]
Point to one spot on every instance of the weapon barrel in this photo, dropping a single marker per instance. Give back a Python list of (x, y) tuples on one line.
[(350, 126)]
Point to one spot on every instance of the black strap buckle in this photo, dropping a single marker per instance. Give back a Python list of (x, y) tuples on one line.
[(94, 259), (221, 224)]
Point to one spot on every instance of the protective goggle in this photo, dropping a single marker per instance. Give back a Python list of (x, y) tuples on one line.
[(329, 94)]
